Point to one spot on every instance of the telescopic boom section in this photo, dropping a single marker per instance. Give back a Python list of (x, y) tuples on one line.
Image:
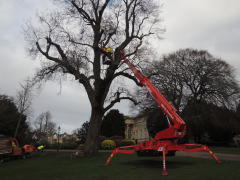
[(178, 130)]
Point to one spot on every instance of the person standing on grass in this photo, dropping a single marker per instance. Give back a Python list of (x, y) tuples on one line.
[(39, 149)]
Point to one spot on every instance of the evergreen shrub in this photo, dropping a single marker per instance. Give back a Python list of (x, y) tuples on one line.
[(64, 146), (129, 142), (100, 140), (108, 144), (73, 145)]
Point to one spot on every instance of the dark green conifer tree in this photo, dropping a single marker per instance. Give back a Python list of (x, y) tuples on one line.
[(9, 117), (113, 124)]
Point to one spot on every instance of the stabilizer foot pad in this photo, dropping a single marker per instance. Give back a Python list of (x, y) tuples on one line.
[(165, 173), (104, 165), (224, 162)]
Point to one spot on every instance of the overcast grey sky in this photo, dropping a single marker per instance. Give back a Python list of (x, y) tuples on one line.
[(212, 25)]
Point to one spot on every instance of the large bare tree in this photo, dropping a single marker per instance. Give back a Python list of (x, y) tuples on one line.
[(190, 74), (70, 41)]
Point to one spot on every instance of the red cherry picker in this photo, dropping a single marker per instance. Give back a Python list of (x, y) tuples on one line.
[(165, 142)]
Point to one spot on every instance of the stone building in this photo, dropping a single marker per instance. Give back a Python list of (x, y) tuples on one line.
[(136, 128), (62, 138)]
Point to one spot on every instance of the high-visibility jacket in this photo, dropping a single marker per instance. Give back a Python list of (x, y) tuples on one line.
[(40, 147), (109, 50), (13, 144)]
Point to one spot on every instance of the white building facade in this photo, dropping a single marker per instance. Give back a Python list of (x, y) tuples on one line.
[(136, 128)]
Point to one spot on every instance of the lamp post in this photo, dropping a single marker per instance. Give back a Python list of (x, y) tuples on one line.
[(58, 137)]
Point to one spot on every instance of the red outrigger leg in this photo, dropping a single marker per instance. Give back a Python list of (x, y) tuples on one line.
[(165, 173), (120, 151), (201, 148)]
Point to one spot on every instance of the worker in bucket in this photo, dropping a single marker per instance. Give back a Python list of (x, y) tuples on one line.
[(110, 50), (39, 150)]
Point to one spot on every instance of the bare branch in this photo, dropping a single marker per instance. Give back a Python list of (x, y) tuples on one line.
[(128, 76), (117, 98), (84, 14)]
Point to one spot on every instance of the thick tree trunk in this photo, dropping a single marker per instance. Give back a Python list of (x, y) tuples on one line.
[(91, 145)]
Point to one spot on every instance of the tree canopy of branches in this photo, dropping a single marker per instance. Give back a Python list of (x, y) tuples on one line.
[(219, 123), (44, 126), (113, 124), (9, 118), (70, 42), (190, 74)]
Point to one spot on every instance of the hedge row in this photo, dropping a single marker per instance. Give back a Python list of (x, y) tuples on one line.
[(110, 144), (118, 140), (67, 145)]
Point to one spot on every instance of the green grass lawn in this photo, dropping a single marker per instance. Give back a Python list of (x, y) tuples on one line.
[(123, 167)]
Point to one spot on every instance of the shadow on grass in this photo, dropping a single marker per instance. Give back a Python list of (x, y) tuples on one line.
[(156, 164), (45, 154), (98, 177), (49, 154)]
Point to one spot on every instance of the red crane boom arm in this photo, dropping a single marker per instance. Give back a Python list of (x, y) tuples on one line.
[(178, 130)]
